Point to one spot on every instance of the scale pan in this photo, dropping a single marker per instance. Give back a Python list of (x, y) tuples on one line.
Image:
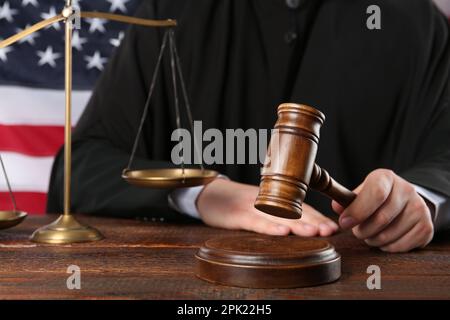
[(169, 178), (9, 219)]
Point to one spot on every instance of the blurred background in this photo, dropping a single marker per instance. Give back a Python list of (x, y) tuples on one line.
[(31, 88)]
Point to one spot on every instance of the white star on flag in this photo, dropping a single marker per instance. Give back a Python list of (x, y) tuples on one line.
[(7, 13), (118, 5), (49, 15), (4, 52), (29, 38), (116, 42), (48, 57), (77, 41), (96, 61), (34, 3), (96, 24)]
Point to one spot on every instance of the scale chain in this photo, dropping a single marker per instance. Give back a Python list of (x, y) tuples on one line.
[(175, 93), (8, 184), (186, 98)]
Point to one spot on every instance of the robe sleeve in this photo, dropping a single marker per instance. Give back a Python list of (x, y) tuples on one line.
[(431, 118), (104, 136)]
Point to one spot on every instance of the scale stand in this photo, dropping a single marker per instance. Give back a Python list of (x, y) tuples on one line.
[(66, 229)]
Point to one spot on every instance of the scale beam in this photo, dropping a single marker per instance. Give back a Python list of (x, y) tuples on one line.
[(34, 28)]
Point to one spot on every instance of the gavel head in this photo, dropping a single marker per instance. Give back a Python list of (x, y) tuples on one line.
[(290, 161)]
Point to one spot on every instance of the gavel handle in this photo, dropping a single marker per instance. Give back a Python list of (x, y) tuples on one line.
[(323, 182)]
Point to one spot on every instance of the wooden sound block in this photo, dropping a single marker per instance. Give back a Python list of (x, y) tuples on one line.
[(257, 261)]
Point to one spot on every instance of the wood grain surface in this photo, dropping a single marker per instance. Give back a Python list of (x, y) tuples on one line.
[(155, 260)]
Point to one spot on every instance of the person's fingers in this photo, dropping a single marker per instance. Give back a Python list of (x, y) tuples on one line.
[(325, 230), (311, 216), (325, 226), (304, 229), (373, 194), (395, 203), (397, 229), (312, 223), (418, 237), (242, 215), (301, 227), (339, 209), (358, 189), (260, 224)]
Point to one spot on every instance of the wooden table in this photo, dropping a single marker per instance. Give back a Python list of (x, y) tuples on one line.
[(153, 260)]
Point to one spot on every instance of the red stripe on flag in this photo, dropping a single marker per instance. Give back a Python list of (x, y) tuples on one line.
[(31, 202), (39, 141)]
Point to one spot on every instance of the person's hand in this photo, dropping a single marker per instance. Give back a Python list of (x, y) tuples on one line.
[(229, 205), (388, 213)]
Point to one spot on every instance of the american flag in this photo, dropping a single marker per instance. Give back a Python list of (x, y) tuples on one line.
[(31, 88)]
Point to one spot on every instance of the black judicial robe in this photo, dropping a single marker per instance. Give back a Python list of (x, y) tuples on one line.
[(385, 94)]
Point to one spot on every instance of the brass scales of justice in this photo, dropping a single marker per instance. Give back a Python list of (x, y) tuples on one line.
[(254, 261), (66, 229)]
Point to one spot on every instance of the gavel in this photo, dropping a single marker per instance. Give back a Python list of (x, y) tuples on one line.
[(290, 169)]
